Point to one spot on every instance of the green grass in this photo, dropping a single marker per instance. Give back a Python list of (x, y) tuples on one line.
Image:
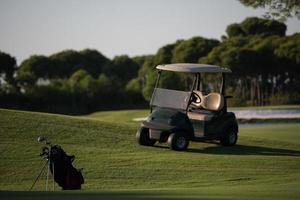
[(281, 132), (264, 165), (123, 116)]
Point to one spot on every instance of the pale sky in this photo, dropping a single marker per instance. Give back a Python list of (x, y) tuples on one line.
[(114, 27)]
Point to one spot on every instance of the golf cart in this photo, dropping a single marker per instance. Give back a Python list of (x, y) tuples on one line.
[(178, 117)]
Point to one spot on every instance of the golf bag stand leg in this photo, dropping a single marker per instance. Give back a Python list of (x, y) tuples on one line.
[(47, 178), (53, 176), (38, 176)]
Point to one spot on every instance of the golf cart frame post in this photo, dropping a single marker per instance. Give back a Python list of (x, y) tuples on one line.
[(178, 117)]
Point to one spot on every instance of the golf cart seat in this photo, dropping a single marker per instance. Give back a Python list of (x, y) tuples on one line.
[(211, 102), (207, 107)]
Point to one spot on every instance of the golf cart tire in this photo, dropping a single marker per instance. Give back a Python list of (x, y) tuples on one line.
[(230, 137), (178, 141), (143, 138)]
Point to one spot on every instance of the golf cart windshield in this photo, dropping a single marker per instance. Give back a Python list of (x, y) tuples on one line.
[(166, 98)]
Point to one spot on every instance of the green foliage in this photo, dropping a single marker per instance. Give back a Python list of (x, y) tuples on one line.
[(235, 30), (7, 67), (69, 61), (140, 60), (133, 91), (225, 53), (171, 80), (193, 49), (134, 85), (164, 54), (26, 78), (122, 69), (78, 77), (34, 68), (256, 26), (149, 85), (83, 83), (290, 49), (105, 83), (276, 9), (93, 61), (262, 66), (60, 65), (264, 62), (147, 75)]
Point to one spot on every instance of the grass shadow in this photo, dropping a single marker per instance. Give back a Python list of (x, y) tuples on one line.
[(245, 150)]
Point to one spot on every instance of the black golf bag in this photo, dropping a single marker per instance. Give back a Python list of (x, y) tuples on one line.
[(68, 177)]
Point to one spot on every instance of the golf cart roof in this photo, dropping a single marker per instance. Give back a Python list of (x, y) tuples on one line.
[(192, 68)]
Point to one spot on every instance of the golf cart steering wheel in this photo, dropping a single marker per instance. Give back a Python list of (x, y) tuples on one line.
[(195, 100)]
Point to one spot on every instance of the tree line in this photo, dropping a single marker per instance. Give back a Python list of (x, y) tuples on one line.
[(265, 62)]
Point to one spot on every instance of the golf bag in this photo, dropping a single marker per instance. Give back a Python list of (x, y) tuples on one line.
[(67, 176)]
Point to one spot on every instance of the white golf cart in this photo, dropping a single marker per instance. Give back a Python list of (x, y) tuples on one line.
[(178, 117)]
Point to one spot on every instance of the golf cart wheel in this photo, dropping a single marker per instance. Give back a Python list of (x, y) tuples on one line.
[(230, 137), (178, 141), (143, 138)]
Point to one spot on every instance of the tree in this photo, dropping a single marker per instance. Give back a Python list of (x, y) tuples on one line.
[(235, 30), (149, 85), (94, 61), (140, 60), (134, 86), (122, 69), (60, 65), (77, 78), (277, 9), (68, 61), (256, 26), (105, 84), (263, 66), (191, 50), (83, 87), (34, 68), (7, 67), (146, 73), (290, 49), (164, 54), (134, 91)]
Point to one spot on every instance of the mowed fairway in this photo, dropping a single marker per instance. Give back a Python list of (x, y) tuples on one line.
[(264, 165)]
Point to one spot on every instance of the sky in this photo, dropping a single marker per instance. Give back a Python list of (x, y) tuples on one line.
[(114, 27)]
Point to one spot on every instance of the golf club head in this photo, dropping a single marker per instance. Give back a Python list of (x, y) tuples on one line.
[(42, 139)]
